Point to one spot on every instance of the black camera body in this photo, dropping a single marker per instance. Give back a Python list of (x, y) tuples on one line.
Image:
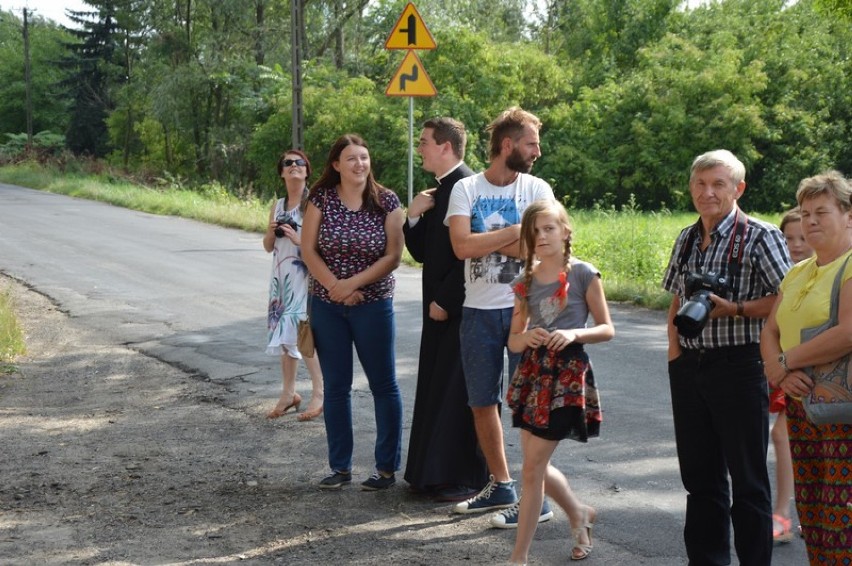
[(692, 317), (285, 221)]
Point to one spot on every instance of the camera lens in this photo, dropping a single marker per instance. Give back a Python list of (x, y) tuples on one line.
[(692, 317), (279, 232)]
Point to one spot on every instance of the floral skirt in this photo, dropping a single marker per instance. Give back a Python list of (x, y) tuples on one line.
[(553, 394), (822, 474)]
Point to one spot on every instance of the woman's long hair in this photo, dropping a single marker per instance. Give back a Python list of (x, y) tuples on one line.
[(330, 177), (304, 202), (552, 208)]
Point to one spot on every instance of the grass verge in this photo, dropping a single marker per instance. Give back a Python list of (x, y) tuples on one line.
[(11, 337), (630, 247)]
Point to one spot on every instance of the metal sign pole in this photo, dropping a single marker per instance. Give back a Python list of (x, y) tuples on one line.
[(297, 25), (410, 33), (410, 149)]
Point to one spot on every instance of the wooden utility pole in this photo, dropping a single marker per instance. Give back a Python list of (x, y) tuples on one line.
[(28, 82), (297, 24)]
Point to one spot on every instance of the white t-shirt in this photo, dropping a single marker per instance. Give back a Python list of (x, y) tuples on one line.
[(487, 279)]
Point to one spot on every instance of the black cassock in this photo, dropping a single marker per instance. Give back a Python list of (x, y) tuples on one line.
[(442, 449)]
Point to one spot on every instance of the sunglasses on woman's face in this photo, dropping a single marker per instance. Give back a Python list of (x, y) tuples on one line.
[(296, 162)]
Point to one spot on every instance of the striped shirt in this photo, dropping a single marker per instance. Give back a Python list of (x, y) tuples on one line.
[(765, 260)]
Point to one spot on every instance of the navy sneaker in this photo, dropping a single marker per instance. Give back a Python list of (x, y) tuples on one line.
[(508, 518), (495, 495), (378, 482), (335, 480)]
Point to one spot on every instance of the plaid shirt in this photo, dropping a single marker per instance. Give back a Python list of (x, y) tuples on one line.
[(765, 261)]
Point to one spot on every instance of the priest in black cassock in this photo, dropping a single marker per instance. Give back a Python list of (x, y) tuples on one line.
[(444, 460)]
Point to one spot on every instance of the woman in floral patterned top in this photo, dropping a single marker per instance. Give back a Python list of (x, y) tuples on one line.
[(553, 394), (351, 242)]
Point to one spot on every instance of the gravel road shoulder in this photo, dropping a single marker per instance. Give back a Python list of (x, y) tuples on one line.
[(112, 457)]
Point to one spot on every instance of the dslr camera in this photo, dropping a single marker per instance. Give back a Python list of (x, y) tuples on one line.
[(284, 221), (692, 317)]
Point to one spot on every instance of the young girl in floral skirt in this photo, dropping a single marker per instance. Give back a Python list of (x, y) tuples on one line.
[(553, 395)]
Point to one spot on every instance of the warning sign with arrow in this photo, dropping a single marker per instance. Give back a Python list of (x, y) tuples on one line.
[(411, 79), (410, 32)]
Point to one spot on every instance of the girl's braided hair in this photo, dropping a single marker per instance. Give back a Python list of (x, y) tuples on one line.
[(547, 207)]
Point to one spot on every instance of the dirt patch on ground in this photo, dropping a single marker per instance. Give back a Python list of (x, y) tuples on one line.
[(112, 457)]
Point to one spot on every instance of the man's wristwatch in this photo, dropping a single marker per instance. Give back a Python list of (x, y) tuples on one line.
[(782, 359)]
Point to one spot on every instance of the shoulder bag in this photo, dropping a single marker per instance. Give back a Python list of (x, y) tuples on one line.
[(305, 339), (830, 401)]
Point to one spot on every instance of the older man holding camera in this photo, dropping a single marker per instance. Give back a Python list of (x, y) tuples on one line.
[(724, 272)]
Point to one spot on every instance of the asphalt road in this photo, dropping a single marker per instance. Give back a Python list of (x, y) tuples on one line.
[(194, 295)]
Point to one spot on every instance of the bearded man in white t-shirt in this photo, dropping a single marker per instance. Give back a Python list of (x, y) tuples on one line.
[(484, 218)]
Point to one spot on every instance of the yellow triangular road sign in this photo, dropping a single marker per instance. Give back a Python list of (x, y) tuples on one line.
[(411, 79), (410, 32)]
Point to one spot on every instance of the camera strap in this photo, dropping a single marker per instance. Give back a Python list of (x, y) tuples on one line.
[(735, 248)]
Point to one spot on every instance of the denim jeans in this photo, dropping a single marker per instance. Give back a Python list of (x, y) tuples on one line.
[(720, 407), (370, 327)]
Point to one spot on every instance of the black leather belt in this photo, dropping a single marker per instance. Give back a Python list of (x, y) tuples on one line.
[(726, 352)]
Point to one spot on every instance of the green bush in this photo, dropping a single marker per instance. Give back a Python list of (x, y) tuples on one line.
[(44, 143), (631, 248)]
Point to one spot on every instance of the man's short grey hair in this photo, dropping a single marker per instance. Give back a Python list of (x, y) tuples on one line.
[(718, 157)]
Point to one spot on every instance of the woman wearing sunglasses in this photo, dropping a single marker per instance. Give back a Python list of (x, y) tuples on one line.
[(288, 288)]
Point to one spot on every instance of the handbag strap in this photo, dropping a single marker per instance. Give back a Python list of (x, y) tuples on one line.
[(308, 298), (835, 293)]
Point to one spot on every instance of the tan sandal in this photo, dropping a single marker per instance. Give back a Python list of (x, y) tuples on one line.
[(782, 529), (279, 411), (310, 415), (581, 551)]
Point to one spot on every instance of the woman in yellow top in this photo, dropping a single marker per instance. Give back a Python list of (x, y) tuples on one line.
[(822, 467)]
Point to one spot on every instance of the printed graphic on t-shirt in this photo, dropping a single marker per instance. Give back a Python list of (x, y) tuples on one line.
[(550, 308), (489, 214)]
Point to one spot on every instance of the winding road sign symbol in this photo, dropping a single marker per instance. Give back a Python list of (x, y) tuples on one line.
[(411, 79)]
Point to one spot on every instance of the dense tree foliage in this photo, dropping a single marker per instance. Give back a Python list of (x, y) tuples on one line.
[(629, 90), (49, 101)]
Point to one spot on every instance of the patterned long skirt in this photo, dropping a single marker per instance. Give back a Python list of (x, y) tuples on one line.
[(822, 473)]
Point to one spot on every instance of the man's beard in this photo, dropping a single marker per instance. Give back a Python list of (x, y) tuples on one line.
[(516, 162)]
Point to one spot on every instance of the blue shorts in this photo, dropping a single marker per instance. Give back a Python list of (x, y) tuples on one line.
[(483, 335)]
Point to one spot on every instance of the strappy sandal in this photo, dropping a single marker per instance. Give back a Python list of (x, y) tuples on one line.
[(279, 411), (782, 529), (309, 414), (581, 551)]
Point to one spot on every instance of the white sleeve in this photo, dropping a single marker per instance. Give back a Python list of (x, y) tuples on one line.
[(543, 190), (459, 204)]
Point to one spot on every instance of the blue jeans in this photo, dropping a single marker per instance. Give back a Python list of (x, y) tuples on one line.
[(484, 334), (721, 420), (370, 327)]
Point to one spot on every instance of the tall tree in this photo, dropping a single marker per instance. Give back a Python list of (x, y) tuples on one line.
[(92, 70), (49, 101), (606, 35)]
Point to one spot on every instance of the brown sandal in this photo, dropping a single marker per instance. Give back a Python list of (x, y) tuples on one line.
[(276, 412), (310, 415)]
